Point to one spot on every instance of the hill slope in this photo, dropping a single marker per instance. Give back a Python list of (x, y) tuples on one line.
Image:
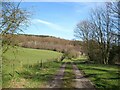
[(47, 43)]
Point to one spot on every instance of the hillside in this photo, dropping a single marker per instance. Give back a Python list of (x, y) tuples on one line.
[(47, 43)]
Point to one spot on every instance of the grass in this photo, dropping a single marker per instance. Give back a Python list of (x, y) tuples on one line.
[(30, 55), (69, 75), (39, 77), (34, 68), (103, 76), (30, 67)]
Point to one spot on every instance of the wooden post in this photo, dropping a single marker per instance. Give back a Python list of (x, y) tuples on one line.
[(41, 64), (13, 68)]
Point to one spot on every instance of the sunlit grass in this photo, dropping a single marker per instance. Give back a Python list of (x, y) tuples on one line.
[(23, 62), (69, 75), (103, 76)]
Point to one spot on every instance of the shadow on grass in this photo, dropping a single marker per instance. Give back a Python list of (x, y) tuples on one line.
[(102, 78), (40, 73), (101, 83), (5, 79), (36, 77), (68, 76)]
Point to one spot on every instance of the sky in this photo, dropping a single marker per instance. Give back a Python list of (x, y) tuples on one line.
[(57, 19)]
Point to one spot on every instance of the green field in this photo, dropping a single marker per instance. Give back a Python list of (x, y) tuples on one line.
[(102, 76), (33, 68), (27, 65)]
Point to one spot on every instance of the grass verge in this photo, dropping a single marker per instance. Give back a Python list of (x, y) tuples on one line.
[(69, 75), (103, 76)]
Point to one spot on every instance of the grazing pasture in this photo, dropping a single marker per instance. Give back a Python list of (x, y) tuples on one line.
[(24, 65)]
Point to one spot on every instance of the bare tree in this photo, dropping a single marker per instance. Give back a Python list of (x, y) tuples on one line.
[(115, 10), (13, 20), (98, 32), (103, 22), (83, 31)]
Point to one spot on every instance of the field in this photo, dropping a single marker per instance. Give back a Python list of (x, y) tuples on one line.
[(32, 68), (102, 76), (19, 65)]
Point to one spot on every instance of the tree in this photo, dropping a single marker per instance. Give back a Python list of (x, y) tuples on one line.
[(115, 10), (104, 29), (13, 20), (84, 32), (98, 33), (115, 50)]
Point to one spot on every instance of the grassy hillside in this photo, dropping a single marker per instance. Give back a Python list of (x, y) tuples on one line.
[(21, 61), (44, 42), (31, 55)]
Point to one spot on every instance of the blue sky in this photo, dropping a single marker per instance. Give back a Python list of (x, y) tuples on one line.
[(57, 19)]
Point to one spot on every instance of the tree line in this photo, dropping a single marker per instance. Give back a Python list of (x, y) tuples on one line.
[(100, 33), (69, 47)]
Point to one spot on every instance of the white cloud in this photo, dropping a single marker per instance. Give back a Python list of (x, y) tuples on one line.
[(49, 24), (41, 21), (86, 7)]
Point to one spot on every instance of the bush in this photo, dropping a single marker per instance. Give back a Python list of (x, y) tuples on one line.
[(71, 54), (114, 55), (62, 57)]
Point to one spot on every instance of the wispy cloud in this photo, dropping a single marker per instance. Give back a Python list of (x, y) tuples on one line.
[(49, 24), (82, 7)]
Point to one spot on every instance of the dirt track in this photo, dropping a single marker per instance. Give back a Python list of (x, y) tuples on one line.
[(78, 82), (57, 81), (81, 81)]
